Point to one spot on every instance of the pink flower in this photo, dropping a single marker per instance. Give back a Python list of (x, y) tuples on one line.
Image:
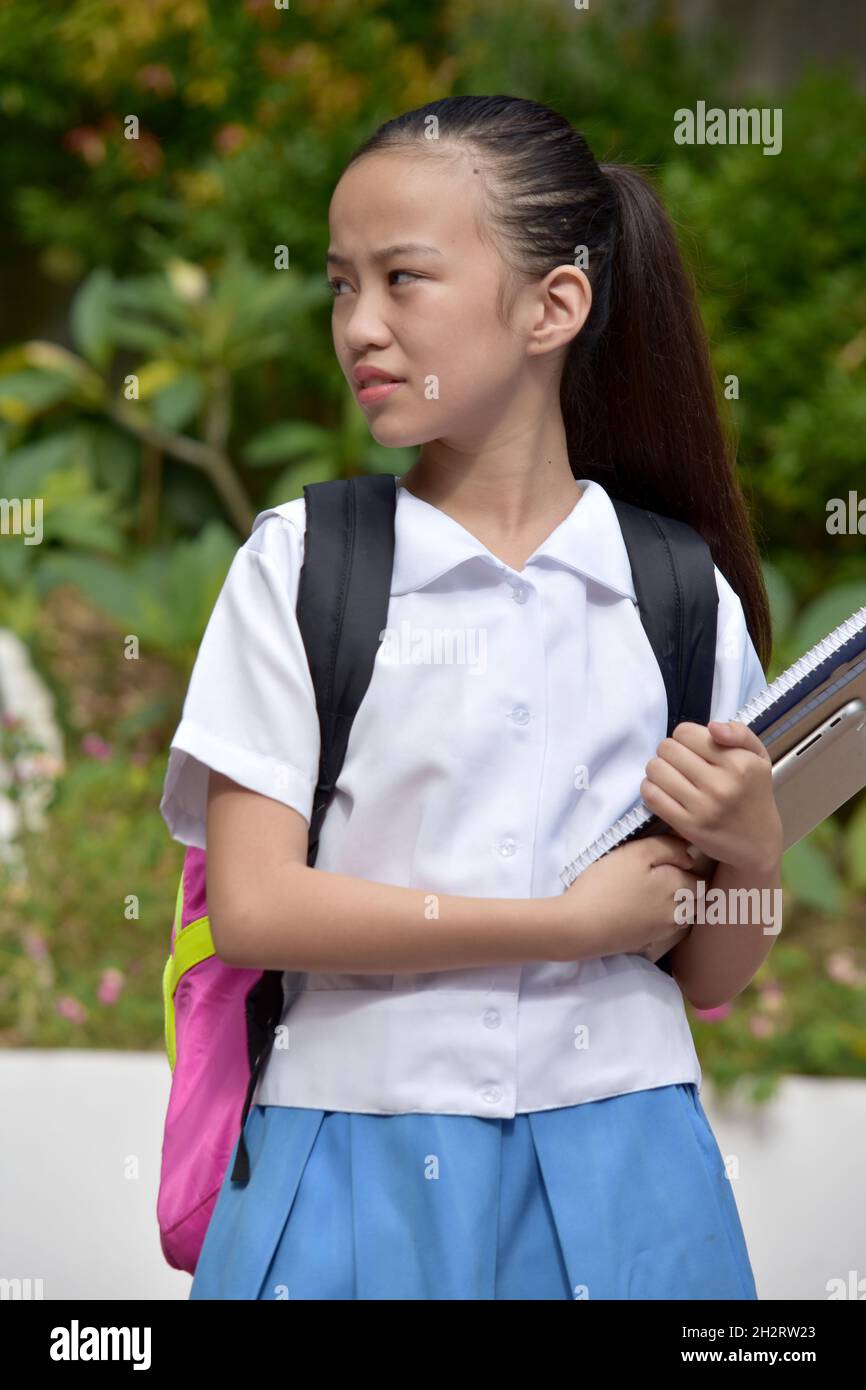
[(770, 997), (86, 142), (34, 945), (71, 1009), (761, 1027), (714, 1015), (156, 77), (34, 767), (144, 156), (841, 968), (11, 721), (96, 747), (46, 764), (230, 137), (263, 12), (110, 986)]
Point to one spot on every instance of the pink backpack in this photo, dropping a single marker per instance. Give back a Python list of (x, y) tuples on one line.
[(220, 1019), (206, 1042)]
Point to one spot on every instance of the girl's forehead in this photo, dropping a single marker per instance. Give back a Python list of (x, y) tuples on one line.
[(398, 181), (397, 200)]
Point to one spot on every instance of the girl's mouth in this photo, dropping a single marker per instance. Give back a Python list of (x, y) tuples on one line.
[(374, 391)]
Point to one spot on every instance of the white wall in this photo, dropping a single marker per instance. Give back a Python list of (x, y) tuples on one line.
[(72, 1120)]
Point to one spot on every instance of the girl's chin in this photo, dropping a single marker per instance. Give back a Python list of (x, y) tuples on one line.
[(397, 436)]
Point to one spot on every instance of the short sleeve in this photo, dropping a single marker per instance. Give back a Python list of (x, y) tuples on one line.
[(250, 707), (738, 673)]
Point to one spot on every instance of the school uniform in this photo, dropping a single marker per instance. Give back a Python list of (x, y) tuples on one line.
[(509, 1131)]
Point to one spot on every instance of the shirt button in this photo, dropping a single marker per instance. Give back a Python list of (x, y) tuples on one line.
[(519, 593), (506, 847), (492, 1018), (492, 1094), (520, 714)]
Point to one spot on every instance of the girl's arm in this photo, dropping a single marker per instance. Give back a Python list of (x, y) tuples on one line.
[(270, 911), (717, 959), (713, 786)]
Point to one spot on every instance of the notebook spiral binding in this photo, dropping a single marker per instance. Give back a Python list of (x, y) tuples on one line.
[(806, 670)]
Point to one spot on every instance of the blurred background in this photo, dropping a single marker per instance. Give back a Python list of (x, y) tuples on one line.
[(161, 382)]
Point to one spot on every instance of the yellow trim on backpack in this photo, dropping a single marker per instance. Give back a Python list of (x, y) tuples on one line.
[(192, 944), (178, 906)]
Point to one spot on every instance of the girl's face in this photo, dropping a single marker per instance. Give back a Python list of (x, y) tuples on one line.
[(415, 295)]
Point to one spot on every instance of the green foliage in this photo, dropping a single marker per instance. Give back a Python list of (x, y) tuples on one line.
[(805, 1012), (75, 918), (199, 384), (163, 597)]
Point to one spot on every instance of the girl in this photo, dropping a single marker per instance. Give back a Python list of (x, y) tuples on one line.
[(490, 1091)]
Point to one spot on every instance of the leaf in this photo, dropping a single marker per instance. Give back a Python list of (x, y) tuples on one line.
[(77, 514), (165, 598), (92, 319), (25, 395), (810, 876), (155, 376), (41, 355), (379, 459), (178, 404), (108, 586), (24, 471), (14, 560), (70, 472), (827, 612), (289, 439), (290, 483), (140, 336), (782, 600), (855, 846), (151, 297), (115, 457), (20, 607)]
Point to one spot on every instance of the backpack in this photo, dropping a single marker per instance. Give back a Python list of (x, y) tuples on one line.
[(220, 1020)]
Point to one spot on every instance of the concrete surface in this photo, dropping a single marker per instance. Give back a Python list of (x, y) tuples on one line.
[(79, 1172)]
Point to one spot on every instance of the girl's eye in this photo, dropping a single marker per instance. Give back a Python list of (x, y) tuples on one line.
[(336, 282)]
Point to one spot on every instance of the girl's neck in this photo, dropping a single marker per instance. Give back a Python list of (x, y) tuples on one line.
[(511, 517)]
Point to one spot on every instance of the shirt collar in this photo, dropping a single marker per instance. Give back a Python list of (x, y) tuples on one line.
[(428, 543)]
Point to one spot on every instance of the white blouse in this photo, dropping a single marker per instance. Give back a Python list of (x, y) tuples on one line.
[(508, 722)]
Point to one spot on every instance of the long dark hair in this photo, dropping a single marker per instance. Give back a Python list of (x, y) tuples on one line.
[(640, 403)]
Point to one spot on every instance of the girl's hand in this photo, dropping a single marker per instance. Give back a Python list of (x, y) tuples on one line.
[(624, 903), (713, 786)]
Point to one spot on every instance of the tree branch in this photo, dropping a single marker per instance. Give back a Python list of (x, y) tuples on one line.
[(210, 459)]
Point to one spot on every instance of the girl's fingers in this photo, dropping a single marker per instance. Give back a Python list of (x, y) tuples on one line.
[(672, 849)]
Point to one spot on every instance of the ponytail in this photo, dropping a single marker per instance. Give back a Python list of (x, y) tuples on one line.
[(640, 401)]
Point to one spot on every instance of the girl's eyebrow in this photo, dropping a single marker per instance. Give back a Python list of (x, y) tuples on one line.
[(405, 248)]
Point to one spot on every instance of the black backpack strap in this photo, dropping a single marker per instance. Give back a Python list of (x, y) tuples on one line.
[(675, 586), (343, 596)]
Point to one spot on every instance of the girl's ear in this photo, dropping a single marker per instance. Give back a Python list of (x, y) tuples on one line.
[(565, 299)]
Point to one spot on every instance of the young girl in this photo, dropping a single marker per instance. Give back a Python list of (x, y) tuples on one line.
[(490, 1091)]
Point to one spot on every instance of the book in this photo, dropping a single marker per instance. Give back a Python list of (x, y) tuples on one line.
[(812, 721)]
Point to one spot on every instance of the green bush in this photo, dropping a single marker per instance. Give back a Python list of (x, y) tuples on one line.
[(85, 935), (198, 386)]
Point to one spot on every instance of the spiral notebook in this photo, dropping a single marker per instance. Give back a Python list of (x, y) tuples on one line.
[(812, 721)]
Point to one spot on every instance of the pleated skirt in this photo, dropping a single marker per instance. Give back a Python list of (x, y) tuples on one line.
[(621, 1198)]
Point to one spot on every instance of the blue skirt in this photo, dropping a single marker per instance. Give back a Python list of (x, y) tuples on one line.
[(620, 1198)]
